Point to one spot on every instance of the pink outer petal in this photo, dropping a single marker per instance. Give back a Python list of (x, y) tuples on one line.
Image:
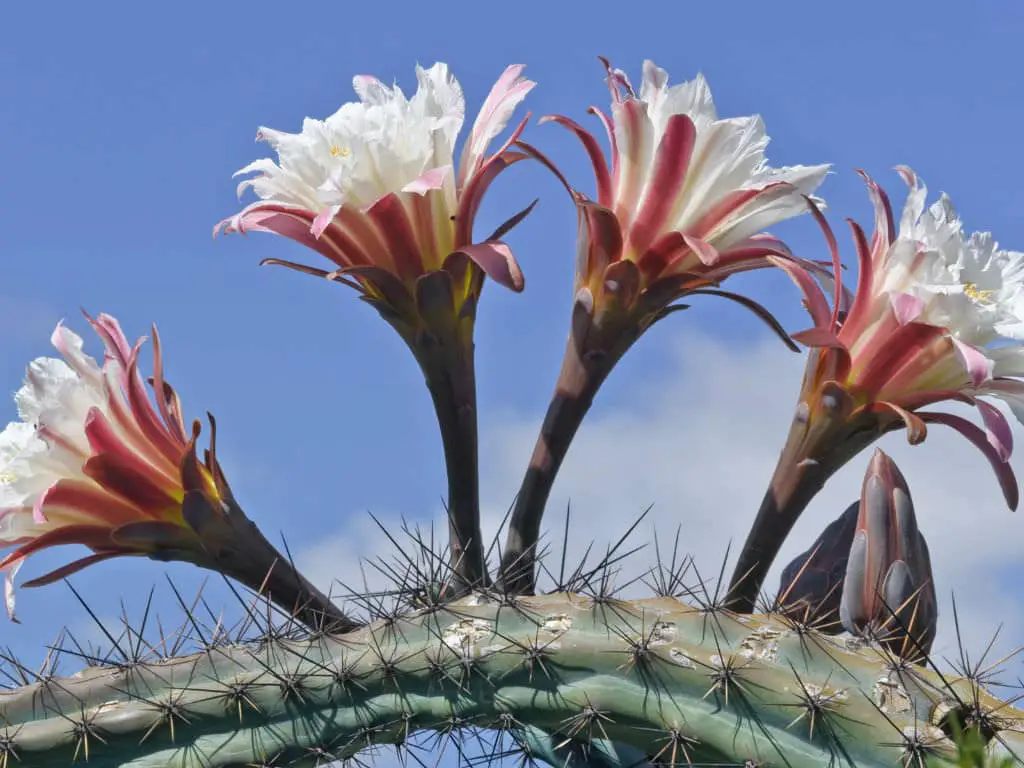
[(38, 515), (496, 260), (916, 429), (295, 223), (87, 535), (729, 205), (635, 134), (814, 299), (906, 307), (903, 354), (471, 193), (978, 366), (323, 220), (998, 429), (119, 469), (81, 363), (432, 179), (396, 223), (817, 337), (1003, 469), (865, 277), (506, 94), (71, 568), (597, 159), (885, 228), (706, 252), (833, 249), (609, 129), (665, 181), (109, 330), (88, 501), (598, 243)]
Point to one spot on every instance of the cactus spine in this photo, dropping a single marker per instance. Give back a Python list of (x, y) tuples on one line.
[(655, 678)]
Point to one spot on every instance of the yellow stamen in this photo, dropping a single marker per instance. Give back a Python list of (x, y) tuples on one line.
[(337, 151), (7, 477), (972, 291)]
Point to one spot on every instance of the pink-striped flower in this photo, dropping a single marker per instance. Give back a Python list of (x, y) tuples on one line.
[(682, 206), (936, 316), (685, 201), (375, 189), (95, 461)]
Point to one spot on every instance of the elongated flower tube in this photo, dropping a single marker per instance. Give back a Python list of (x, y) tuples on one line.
[(95, 461), (936, 316), (682, 207), (869, 572), (375, 189)]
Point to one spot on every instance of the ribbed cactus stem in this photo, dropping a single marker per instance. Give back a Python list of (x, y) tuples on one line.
[(656, 675)]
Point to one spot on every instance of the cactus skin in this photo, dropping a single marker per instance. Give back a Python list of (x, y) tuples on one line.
[(630, 674)]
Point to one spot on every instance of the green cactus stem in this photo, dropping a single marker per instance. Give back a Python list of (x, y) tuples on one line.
[(652, 677)]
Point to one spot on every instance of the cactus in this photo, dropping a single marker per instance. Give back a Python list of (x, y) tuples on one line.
[(654, 677), (578, 675)]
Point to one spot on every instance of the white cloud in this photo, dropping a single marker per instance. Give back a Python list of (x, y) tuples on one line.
[(699, 443)]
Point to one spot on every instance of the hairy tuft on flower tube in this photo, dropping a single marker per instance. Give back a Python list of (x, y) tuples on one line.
[(375, 189), (682, 205), (936, 316), (869, 572), (96, 461)]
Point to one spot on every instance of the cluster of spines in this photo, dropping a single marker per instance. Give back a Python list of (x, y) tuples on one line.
[(312, 677)]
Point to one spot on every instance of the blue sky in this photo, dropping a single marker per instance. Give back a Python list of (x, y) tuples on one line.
[(123, 123)]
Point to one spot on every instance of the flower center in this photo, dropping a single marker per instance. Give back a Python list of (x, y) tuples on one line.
[(337, 151), (974, 293), (7, 477)]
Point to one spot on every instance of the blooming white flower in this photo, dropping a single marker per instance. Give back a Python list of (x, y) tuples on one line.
[(383, 143), (375, 188), (92, 460), (966, 284)]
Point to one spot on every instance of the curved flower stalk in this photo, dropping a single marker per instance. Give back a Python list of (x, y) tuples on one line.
[(936, 316), (95, 461), (869, 572), (682, 207), (374, 188)]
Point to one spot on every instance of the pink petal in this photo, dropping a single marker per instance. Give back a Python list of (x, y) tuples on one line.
[(395, 221), (1000, 436), (916, 429), (978, 366), (505, 96), (432, 179), (473, 188), (833, 248), (865, 276), (885, 228), (1003, 469), (594, 153), (323, 220), (665, 181), (635, 139), (598, 242), (496, 260), (706, 252), (906, 307), (817, 337), (38, 516), (814, 299)]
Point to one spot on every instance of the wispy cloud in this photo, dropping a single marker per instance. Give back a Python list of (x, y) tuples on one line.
[(699, 443)]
